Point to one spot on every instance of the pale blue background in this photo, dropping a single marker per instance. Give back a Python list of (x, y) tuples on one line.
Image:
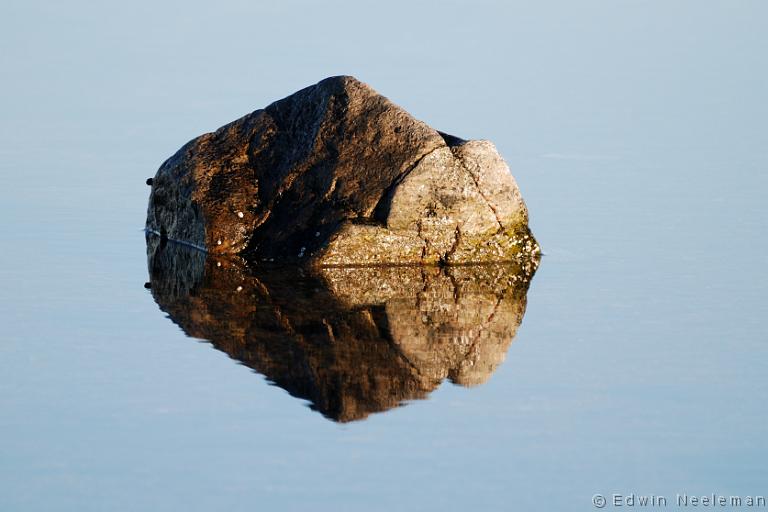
[(637, 131)]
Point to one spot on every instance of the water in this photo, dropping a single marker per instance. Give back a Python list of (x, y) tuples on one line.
[(637, 132), (351, 340)]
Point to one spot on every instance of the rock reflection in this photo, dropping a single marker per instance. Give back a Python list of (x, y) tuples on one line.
[(352, 341)]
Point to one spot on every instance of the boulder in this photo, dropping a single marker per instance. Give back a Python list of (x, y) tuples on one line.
[(336, 174)]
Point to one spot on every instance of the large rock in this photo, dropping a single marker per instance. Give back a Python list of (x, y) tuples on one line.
[(351, 340), (336, 174)]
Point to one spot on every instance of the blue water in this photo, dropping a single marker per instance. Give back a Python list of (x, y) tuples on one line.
[(637, 132)]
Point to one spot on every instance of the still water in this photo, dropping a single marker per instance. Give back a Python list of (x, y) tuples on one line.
[(633, 361), (351, 340)]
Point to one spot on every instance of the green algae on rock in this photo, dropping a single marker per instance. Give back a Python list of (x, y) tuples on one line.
[(335, 175)]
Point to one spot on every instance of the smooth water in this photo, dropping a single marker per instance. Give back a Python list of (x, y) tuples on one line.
[(637, 132)]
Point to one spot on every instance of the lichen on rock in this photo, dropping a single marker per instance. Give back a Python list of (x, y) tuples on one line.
[(337, 175)]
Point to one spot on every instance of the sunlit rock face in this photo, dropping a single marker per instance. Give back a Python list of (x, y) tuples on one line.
[(351, 341), (337, 174)]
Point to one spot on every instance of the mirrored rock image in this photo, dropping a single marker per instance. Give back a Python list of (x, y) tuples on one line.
[(350, 340)]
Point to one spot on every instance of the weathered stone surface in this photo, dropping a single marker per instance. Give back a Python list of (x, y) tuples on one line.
[(336, 174), (351, 340)]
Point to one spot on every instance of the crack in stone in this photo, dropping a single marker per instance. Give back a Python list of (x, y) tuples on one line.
[(472, 348), (456, 295), (454, 246), (329, 330), (480, 190), (426, 242), (495, 308), (377, 211)]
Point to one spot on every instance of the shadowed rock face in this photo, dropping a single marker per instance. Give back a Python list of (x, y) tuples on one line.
[(351, 341), (336, 174)]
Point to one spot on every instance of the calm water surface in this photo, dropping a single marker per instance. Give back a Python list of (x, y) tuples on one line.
[(637, 132)]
